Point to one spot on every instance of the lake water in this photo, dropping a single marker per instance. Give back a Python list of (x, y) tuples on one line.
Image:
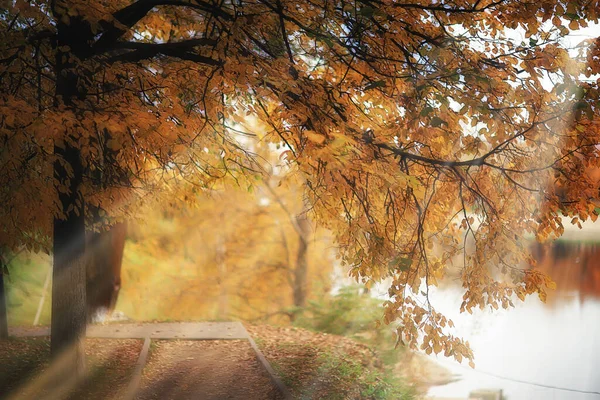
[(535, 350)]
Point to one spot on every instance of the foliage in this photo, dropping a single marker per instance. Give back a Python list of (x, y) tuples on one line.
[(413, 124), (348, 313)]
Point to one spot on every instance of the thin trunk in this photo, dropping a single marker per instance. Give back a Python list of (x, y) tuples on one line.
[(223, 310), (38, 314), (223, 303), (299, 274), (3, 313), (301, 268), (118, 236)]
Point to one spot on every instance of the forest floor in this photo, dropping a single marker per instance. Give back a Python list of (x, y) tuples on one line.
[(25, 372), (311, 365)]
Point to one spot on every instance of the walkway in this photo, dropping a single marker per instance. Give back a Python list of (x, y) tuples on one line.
[(191, 360), (163, 330)]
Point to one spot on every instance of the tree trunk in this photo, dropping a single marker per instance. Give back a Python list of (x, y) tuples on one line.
[(74, 36), (3, 313), (223, 303), (104, 260), (69, 272), (301, 269)]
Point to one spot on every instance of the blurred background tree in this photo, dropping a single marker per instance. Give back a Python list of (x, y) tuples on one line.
[(242, 253)]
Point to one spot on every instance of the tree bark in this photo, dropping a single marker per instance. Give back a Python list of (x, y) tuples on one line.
[(69, 271), (69, 268), (104, 260), (3, 313)]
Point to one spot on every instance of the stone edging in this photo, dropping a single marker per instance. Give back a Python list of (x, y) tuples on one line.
[(134, 383), (272, 374)]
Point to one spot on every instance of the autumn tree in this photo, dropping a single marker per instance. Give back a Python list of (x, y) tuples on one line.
[(414, 124), (233, 253), (64, 137)]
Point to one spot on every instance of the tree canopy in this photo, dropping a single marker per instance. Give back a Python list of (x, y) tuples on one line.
[(418, 126)]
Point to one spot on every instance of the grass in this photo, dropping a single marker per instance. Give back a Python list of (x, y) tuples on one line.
[(369, 383), (24, 287), (337, 377)]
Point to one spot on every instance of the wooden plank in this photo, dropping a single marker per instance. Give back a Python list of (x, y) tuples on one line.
[(486, 394), (164, 330)]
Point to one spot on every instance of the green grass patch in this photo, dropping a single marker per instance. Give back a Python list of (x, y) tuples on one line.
[(369, 383), (353, 314), (313, 374), (24, 288)]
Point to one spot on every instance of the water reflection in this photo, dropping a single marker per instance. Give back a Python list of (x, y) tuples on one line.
[(575, 266), (553, 345)]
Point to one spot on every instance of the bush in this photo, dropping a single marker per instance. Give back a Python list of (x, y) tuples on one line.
[(360, 382), (352, 313)]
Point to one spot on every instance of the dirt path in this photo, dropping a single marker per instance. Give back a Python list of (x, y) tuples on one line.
[(215, 369)]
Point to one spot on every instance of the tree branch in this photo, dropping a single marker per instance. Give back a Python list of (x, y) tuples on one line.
[(160, 47), (446, 9), (132, 14), (181, 50)]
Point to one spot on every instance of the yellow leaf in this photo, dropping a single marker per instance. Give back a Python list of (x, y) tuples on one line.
[(315, 137), (113, 145), (573, 25)]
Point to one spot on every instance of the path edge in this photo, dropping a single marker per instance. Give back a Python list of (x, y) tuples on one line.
[(136, 378), (272, 374)]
